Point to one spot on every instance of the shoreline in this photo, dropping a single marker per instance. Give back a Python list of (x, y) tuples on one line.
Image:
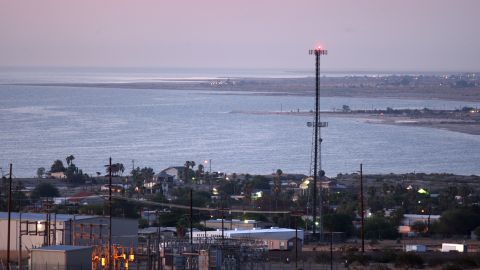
[(369, 87), (461, 126)]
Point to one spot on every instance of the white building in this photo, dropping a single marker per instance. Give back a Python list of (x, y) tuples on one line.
[(37, 229), (274, 238)]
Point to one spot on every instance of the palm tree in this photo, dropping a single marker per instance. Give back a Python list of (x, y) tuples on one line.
[(247, 191), (70, 159), (185, 173), (121, 168), (188, 165), (277, 186), (200, 172)]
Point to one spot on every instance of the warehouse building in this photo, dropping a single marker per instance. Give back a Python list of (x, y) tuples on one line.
[(33, 230), (274, 238), (61, 257)]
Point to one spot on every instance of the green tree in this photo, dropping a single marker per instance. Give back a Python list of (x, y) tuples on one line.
[(182, 224), (75, 175), (380, 228), (459, 221), (142, 223), (200, 172), (69, 160), (18, 196), (121, 168), (260, 182), (140, 176), (199, 198), (188, 173), (116, 169), (227, 187), (44, 190), (126, 209), (40, 172), (338, 223), (277, 186), (57, 166)]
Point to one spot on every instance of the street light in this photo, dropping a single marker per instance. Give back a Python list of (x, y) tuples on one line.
[(40, 226), (209, 162)]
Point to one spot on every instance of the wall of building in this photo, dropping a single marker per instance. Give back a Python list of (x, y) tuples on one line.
[(231, 225), (56, 259), (124, 231), (41, 259), (28, 241)]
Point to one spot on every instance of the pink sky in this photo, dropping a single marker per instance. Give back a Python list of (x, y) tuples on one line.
[(380, 35)]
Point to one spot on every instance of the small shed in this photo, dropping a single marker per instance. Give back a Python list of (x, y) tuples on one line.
[(415, 248), (61, 257)]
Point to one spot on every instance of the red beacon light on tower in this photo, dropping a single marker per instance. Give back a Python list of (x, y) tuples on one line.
[(319, 50)]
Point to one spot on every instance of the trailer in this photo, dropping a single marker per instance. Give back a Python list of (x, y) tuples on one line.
[(449, 247)]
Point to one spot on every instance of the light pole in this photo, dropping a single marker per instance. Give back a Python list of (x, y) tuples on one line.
[(209, 162), (362, 211), (317, 138), (295, 215), (9, 215)]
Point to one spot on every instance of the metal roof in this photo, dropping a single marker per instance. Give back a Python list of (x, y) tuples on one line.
[(62, 248), (42, 216), (234, 221), (267, 234), (153, 230)]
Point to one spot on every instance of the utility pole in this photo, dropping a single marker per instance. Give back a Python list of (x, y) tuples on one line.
[(9, 215), (296, 243), (223, 217), (362, 232), (110, 214), (295, 215), (191, 220), (317, 139), (331, 250), (19, 240)]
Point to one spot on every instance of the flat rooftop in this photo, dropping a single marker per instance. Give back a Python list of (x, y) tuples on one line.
[(42, 216), (62, 248)]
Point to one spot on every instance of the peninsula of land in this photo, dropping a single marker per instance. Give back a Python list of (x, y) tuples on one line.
[(465, 120), (454, 87), (460, 87)]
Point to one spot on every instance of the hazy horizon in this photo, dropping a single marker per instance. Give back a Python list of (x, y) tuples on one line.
[(324, 70), (361, 36)]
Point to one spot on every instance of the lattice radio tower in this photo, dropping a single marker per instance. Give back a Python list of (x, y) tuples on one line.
[(317, 125)]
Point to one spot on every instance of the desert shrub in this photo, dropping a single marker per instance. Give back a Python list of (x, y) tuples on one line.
[(409, 260), (379, 267), (361, 259), (386, 256), (322, 257), (467, 261), (451, 266)]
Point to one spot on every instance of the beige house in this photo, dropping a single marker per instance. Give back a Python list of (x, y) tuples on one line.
[(58, 175)]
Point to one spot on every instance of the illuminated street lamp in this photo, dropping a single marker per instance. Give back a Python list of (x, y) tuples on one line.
[(40, 226), (209, 162)]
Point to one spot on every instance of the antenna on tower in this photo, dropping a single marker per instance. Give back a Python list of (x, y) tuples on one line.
[(317, 124)]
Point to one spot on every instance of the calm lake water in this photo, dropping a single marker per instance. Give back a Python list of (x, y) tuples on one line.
[(161, 128)]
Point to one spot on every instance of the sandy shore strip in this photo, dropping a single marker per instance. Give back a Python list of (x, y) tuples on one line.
[(331, 87), (462, 126)]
